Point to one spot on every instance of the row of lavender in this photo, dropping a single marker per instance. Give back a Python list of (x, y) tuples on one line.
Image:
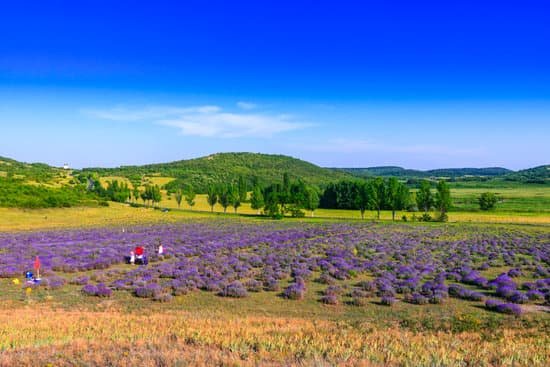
[(423, 264)]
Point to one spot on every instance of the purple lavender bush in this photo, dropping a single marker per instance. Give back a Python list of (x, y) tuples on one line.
[(295, 291), (234, 289), (89, 290)]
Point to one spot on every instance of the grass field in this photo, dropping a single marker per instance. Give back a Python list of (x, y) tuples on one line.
[(512, 198), (122, 214), (496, 216), (65, 328)]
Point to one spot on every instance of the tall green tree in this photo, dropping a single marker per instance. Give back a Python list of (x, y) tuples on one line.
[(272, 200), (225, 196), (156, 195), (242, 189), (257, 199), (424, 196), (378, 194), (147, 195), (284, 195), (143, 196), (397, 195), (136, 193), (346, 194), (235, 197), (178, 196), (212, 196), (443, 200), (311, 201), (190, 197), (363, 199), (298, 194)]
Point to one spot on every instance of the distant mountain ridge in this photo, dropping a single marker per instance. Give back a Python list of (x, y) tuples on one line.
[(223, 167), (394, 171)]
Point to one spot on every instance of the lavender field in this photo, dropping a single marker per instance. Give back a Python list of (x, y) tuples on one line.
[(507, 270)]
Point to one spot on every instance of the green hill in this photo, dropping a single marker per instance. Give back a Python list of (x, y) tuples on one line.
[(37, 172), (383, 171), (393, 171), (38, 185), (540, 174), (227, 167)]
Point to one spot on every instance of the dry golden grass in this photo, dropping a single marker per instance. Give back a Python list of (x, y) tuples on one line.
[(106, 179), (159, 180), (475, 217), (116, 214), (41, 336), (121, 214)]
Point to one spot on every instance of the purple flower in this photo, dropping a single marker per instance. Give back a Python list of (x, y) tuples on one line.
[(330, 299), (103, 291), (148, 291), (388, 300), (234, 289), (89, 290), (294, 291), (509, 308), (517, 297), (535, 295), (492, 304)]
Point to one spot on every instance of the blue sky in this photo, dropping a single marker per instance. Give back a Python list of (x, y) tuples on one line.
[(417, 84)]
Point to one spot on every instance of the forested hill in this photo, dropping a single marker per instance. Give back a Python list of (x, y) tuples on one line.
[(540, 174), (37, 172), (392, 171), (224, 167)]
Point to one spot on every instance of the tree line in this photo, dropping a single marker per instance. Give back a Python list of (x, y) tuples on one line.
[(275, 200), (391, 194)]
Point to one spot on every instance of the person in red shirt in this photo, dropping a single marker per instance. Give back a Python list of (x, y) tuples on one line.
[(140, 255)]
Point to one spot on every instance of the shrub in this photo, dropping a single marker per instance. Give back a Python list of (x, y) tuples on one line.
[(294, 291), (103, 291), (325, 278), (53, 282), (535, 295), (359, 293), (82, 280), (89, 290), (254, 285), (509, 308), (234, 289), (358, 301), (272, 285), (487, 201), (417, 299), (458, 291), (505, 291), (517, 297), (163, 297), (148, 291), (492, 304), (333, 289), (330, 299), (388, 300), (425, 218), (513, 273)]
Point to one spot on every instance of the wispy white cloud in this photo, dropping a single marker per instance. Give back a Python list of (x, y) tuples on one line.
[(351, 145), (246, 105), (206, 121)]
